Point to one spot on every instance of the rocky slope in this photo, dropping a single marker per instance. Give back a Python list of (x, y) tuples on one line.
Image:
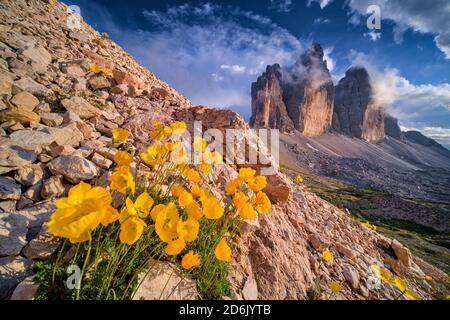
[(56, 119)]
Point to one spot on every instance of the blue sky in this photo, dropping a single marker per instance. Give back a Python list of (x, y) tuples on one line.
[(212, 51)]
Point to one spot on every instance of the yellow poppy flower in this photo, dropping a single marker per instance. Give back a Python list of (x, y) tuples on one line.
[(232, 186), (298, 180), (223, 251), (166, 223), (385, 276), (257, 183), (179, 155), (123, 158), (247, 212), (193, 176), (178, 127), (154, 155), (156, 211), (196, 190), (109, 216), (245, 174), (81, 212), (141, 207), (211, 207), (335, 286), (212, 157), (205, 168), (190, 260), (262, 202), (327, 255), (131, 230), (240, 199), (199, 144), (401, 284), (119, 135), (411, 295), (185, 198), (176, 190), (175, 247), (95, 68), (188, 230), (107, 73), (122, 180), (194, 211), (428, 278)]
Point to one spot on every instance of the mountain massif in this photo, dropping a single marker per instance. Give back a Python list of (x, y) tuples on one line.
[(56, 122)]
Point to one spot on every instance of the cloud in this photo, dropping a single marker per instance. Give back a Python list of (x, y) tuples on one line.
[(417, 15), (373, 35), (416, 106), (211, 53), (321, 20), (327, 56), (281, 5), (322, 3)]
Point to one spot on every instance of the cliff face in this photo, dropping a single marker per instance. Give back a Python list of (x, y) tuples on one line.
[(268, 108), (309, 93), (302, 100), (355, 112), (391, 128)]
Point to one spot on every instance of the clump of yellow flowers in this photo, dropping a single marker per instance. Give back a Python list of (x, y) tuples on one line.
[(168, 210)]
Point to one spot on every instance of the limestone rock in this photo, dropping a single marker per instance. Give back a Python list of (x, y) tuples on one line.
[(26, 290), (31, 139), (51, 119), (52, 187), (73, 168), (355, 112), (99, 82), (9, 189), (6, 81), (43, 246), (40, 58), (29, 85), (351, 275), (250, 290), (23, 116), (403, 254), (25, 100), (164, 282), (29, 175), (81, 107), (309, 93), (67, 135), (268, 108), (101, 161), (16, 156), (12, 271), (13, 232)]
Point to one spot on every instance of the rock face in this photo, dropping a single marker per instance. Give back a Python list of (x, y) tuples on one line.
[(391, 128), (309, 93), (268, 108), (303, 99), (355, 112)]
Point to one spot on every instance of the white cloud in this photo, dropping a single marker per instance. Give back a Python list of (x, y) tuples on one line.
[(281, 5), (212, 53), (418, 15), (321, 20), (234, 69), (373, 35), (322, 3), (330, 61)]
